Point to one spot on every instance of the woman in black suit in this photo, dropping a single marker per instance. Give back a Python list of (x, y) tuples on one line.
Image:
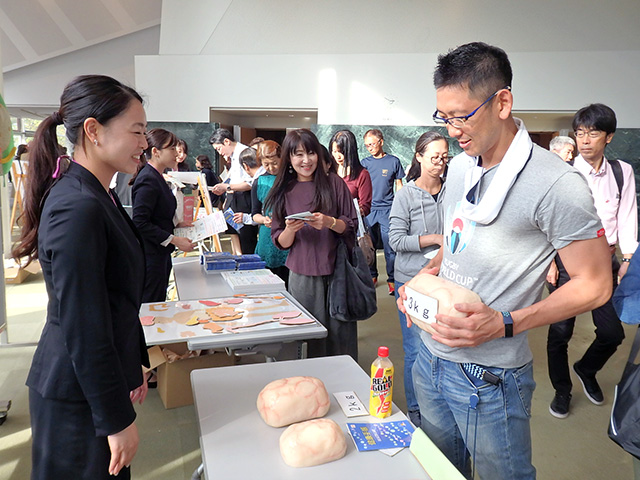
[(154, 211), (86, 372)]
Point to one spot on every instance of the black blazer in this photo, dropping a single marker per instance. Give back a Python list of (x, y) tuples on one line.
[(212, 179), (153, 209), (92, 346)]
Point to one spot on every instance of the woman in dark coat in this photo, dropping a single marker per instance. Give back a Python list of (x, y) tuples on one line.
[(87, 370), (154, 212)]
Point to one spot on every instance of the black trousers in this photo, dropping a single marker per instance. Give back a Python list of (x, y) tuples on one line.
[(64, 444), (156, 281), (609, 335), (241, 202), (342, 337)]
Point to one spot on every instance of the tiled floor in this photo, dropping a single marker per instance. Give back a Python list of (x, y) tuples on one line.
[(574, 448)]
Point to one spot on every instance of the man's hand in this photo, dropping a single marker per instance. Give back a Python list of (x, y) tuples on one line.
[(479, 326), (552, 274), (624, 266), (238, 217), (402, 296), (123, 446), (220, 188)]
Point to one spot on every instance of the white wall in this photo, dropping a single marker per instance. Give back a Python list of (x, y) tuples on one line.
[(371, 61), (347, 89)]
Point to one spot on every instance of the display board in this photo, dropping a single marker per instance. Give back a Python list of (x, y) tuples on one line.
[(170, 322)]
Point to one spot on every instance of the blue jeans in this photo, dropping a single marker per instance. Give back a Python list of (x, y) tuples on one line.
[(381, 218), (410, 344), (499, 427)]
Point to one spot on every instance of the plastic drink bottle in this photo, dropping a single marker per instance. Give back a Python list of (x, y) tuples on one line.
[(381, 390)]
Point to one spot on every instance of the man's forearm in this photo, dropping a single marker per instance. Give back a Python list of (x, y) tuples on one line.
[(577, 296)]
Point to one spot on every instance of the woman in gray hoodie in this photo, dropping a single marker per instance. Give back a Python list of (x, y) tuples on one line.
[(415, 233)]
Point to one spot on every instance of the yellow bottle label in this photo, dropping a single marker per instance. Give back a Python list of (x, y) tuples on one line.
[(381, 391)]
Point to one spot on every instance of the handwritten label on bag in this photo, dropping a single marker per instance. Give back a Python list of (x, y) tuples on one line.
[(420, 306)]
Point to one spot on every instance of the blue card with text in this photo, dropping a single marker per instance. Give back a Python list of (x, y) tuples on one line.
[(228, 216), (377, 436)]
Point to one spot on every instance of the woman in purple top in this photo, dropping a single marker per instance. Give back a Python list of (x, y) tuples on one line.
[(303, 187)]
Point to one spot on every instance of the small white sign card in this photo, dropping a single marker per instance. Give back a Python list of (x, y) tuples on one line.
[(420, 306), (351, 404)]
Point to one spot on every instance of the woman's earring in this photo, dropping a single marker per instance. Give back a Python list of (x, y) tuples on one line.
[(290, 168), (95, 142)]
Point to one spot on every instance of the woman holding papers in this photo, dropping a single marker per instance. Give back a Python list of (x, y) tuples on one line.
[(154, 213), (415, 233), (303, 185)]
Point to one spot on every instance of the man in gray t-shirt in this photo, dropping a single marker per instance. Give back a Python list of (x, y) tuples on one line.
[(508, 207)]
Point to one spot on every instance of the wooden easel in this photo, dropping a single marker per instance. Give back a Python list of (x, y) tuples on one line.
[(19, 176), (205, 199)]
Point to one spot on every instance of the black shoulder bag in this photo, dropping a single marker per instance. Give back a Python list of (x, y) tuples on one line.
[(352, 295)]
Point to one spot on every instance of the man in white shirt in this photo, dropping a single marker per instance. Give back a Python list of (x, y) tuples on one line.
[(237, 186), (251, 165), (613, 187)]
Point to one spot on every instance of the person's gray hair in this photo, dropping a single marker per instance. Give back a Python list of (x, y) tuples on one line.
[(556, 143)]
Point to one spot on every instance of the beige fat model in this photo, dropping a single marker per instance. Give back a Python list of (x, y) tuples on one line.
[(444, 291)]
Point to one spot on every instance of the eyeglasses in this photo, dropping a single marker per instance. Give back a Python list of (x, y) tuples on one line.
[(438, 160), (371, 145), (458, 122), (590, 133)]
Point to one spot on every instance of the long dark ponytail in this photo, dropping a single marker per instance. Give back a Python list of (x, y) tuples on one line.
[(88, 96)]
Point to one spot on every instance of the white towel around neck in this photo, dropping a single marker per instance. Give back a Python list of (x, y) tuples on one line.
[(509, 168)]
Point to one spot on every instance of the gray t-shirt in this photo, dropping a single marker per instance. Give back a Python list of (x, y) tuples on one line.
[(505, 262)]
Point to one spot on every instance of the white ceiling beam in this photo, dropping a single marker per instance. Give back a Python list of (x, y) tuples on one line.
[(19, 40), (119, 13), (63, 22)]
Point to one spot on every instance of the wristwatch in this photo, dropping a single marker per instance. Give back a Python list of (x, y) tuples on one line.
[(228, 188), (508, 324)]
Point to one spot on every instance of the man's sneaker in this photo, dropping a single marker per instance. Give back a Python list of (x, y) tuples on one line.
[(590, 386), (392, 288), (559, 407)]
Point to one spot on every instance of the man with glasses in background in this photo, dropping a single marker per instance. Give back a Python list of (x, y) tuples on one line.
[(508, 206), (613, 187), (385, 171)]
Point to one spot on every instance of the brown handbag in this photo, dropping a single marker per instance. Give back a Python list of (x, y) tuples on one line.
[(365, 243)]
